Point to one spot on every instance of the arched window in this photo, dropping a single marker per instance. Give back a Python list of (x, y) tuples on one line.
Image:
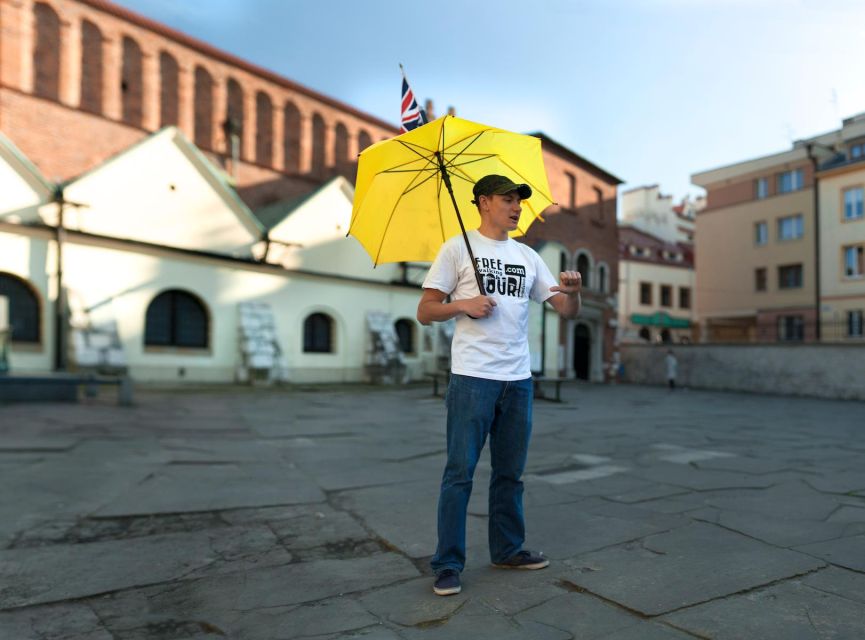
[(563, 262), (23, 308), (405, 335), (584, 267), (176, 318), (318, 333), (91, 67), (291, 137), (363, 140), (46, 54), (203, 108), (169, 101), (318, 135), (340, 148), (645, 334), (234, 123), (130, 83), (602, 278), (263, 129)]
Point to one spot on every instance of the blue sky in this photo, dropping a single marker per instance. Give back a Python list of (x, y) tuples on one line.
[(650, 90)]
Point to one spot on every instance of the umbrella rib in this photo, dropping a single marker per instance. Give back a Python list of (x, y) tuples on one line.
[(528, 182)]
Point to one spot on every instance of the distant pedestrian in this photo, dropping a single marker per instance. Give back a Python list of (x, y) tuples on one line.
[(672, 368)]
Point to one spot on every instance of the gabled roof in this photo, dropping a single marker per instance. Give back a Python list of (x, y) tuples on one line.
[(26, 169), (163, 190), (217, 178), (271, 215)]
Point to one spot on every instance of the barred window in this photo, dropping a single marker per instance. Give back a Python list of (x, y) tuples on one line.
[(318, 333), (176, 318), (24, 320), (791, 328), (405, 335)]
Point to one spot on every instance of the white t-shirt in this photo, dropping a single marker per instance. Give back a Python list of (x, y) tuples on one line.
[(495, 347)]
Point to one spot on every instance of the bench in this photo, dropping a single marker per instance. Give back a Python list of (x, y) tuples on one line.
[(543, 381), (61, 387), (445, 376), (539, 383)]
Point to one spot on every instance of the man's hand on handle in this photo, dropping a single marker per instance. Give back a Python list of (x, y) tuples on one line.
[(478, 307)]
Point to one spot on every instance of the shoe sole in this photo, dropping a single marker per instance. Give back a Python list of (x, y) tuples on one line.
[(447, 592), (534, 565)]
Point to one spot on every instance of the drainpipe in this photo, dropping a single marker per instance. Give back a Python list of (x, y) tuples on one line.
[(817, 319), (60, 302)]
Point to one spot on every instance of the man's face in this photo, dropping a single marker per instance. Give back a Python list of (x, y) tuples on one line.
[(504, 211)]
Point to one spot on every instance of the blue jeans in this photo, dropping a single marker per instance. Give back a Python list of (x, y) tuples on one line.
[(478, 407)]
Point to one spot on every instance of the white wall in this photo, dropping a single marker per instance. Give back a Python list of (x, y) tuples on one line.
[(119, 284)]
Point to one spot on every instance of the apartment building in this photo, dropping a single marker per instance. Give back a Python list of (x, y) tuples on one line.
[(656, 288), (774, 242), (842, 243)]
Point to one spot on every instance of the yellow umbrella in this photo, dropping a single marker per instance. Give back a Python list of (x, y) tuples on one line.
[(408, 187)]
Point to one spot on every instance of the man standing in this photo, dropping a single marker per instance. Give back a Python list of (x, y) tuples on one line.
[(672, 367), (490, 389)]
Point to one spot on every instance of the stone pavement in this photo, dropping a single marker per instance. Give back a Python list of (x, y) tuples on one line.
[(310, 513)]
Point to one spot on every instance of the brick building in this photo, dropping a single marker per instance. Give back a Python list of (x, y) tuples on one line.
[(582, 228), (81, 80)]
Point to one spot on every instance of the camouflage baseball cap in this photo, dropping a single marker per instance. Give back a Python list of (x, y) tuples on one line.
[(499, 185)]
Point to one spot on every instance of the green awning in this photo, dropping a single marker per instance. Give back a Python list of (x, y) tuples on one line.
[(660, 319)]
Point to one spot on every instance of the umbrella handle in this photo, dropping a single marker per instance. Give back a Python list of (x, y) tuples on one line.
[(447, 180)]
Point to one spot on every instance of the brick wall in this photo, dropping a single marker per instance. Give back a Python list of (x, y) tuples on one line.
[(140, 75)]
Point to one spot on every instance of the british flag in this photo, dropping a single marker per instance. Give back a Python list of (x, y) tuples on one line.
[(412, 115)]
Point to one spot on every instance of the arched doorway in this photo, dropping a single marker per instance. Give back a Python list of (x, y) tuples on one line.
[(582, 350)]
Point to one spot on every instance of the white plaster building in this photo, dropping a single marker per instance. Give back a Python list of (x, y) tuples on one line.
[(159, 254)]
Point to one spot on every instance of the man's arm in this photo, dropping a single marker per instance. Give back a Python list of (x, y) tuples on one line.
[(567, 299), (433, 308)]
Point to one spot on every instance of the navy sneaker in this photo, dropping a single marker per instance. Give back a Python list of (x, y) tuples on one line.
[(524, 559), (447, 582)]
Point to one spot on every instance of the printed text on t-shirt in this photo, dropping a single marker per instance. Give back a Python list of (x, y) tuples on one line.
[(504, 279)]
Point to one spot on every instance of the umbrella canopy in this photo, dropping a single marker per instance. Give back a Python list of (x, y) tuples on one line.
[(403, 210)]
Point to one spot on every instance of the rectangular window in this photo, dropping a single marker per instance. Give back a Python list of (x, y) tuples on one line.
[(854, 324), (761, 233), (572, 189), (857, 151), (791, 328), (761, 188), (760, 279), (790, 276), (600, 211), (666, 295), (790, 227), (790, 181), (645, 293), (853, 203), (684, 297), (853, 267)]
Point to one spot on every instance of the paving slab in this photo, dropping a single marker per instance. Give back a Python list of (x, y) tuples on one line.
[(53, 622), (188, 488), (839, 582), (843, 552), (683, 567), (318, 504), (61, 572), (259, 590), (784, 612), (565, 531)]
